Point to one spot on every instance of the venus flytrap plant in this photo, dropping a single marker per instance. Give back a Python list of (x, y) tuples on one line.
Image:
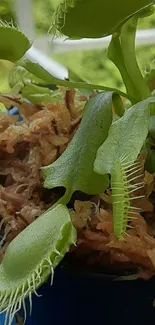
[(102, 148)]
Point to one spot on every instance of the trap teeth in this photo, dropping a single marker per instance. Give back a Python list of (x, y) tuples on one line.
[(133, 172), (137, 197), (134, 178), (130, 164), (135, 208), (136, 189), (122, 176)]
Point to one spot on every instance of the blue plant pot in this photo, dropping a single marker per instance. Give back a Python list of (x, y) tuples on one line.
[(80, 299), (90, 299), (2, 320)]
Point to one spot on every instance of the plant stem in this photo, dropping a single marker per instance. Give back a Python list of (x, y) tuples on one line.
[(116, 56), (83, 85), (65, 198), (127, 39)]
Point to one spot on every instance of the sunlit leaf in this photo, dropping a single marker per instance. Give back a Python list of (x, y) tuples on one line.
[(5, 67), (18, 77), (126, 137)]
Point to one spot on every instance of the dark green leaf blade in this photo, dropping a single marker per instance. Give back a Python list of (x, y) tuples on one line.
[(94, 18), (74, 169), (126, 137)]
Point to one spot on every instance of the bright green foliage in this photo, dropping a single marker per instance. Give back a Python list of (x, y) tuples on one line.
[(115, 54), (13, 43), (126, 137), (41, 73), (40, 95), (5, 67), (94, 18), (18, 77), (74, 168), (93, 65), (127, 39), (32, 256)]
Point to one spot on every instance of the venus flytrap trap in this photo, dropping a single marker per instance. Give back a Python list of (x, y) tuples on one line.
[(32, 257), (122, 175), (89, 18), (13, 43)]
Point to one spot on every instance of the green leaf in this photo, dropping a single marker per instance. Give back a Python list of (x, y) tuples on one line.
[(17, 77), (74, 168), (41, 73), (122, 53), (13, 43), (126, 137), (116, 56), (127, 38), (20, 75), (40, 95), (32, 256), (94, 18), (5, 67)]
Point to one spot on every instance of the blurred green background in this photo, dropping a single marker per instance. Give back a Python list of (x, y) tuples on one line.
[(92, 65)]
